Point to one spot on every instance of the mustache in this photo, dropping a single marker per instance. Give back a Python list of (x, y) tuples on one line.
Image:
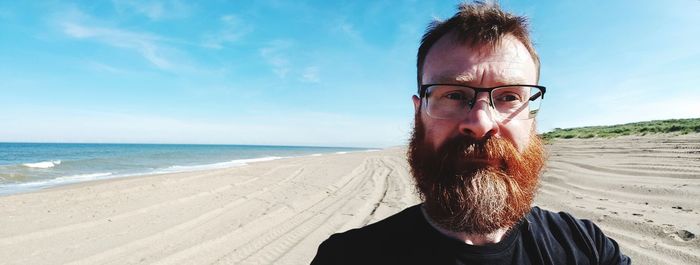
[(470, 148), (466, 154)]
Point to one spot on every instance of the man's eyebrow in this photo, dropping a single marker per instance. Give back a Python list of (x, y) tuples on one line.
[(470, 79), (453, 79)]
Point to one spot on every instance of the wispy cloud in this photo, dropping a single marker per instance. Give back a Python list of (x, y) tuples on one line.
[(152, 47), (106, 68), (145, 44), (155, 9), (232, 30), (348, 29), (311, 75), (274, 54)]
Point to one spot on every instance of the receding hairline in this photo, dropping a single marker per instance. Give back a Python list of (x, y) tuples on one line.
[(487, 47), (478, 23)]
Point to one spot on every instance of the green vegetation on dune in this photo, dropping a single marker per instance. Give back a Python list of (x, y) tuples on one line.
[(679, 126)]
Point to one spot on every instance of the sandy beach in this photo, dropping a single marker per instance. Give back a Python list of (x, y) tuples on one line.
[(642, 191)]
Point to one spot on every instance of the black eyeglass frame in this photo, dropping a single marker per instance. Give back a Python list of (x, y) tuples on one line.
[(424, 89)]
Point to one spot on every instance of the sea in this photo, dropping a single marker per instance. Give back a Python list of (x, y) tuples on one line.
[(32, 166)]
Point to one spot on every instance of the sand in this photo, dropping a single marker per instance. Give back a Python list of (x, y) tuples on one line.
[(642, 191)]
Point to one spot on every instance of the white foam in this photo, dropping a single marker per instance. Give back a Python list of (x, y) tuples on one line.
[(316, 154), (81, 177), (341, 153), (261, 159), (34, 185), (44, 164), (64, 180), (232, 163)]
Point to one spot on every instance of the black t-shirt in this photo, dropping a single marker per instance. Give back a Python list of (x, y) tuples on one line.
[(542, 237)]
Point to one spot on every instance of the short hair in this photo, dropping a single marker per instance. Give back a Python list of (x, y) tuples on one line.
[(477, 24)]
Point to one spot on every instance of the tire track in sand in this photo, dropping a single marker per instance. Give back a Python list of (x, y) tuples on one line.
[(105, 256), (317, 219)]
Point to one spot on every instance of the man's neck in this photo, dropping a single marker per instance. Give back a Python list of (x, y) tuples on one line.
[(471, 239)]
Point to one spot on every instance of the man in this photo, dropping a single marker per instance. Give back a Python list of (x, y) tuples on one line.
[(476, 160)]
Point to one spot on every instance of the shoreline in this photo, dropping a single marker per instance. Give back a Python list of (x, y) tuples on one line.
[(7, 189)]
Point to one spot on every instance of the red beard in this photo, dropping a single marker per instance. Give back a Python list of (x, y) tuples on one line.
[(474, 186)]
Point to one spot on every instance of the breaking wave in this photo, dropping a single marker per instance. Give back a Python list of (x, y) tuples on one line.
[(44, 164)]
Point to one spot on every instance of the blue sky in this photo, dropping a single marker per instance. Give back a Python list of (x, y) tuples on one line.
[(332, 73)]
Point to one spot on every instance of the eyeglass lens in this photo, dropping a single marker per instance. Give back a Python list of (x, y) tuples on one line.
[(510, 102)]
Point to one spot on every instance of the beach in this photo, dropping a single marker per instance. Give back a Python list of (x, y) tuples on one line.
[(642, 191)]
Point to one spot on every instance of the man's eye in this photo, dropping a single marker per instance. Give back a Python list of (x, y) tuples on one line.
[(509, 97), (455, 96)]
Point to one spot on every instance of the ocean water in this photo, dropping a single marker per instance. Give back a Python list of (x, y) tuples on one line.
[(31, 166)]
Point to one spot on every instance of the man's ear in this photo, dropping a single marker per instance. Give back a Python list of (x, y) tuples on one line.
[(416, 103)]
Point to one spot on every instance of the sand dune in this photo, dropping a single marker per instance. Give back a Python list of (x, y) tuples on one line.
[(644, 192)]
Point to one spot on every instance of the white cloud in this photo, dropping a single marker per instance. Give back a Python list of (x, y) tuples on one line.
[(102, 67), (347, 29), (145, 44), (311, 75), (274, 54), (154, 9), (159, 51), (232, 30)]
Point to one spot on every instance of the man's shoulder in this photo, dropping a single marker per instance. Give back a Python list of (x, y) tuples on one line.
[(552, 231), (543, 216), (391, 228), (546, 220), (380, 240)]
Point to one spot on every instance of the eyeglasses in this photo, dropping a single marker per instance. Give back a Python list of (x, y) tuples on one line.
[(510, 102)]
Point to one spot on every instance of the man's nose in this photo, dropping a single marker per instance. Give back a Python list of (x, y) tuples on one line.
[(480, 122)]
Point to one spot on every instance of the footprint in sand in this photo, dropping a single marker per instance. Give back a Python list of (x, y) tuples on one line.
[(683, 235), (681, 208)]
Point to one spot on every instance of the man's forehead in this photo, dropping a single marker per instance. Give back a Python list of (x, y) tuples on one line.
[(507, 62)]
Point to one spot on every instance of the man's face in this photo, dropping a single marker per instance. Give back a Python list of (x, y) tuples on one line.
[(451, 62), (477, 173)]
